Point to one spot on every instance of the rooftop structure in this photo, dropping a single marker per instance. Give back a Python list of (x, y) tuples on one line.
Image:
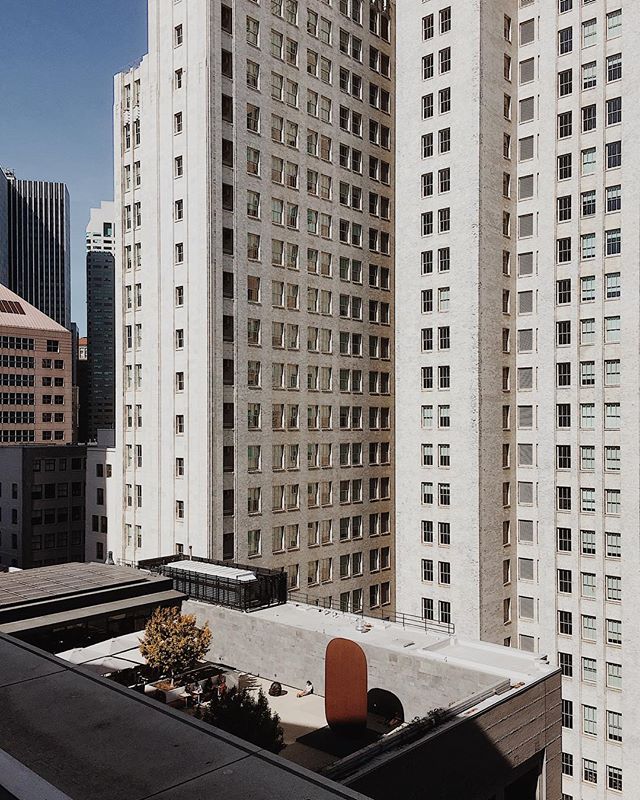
[(60, 606), (237, 586)]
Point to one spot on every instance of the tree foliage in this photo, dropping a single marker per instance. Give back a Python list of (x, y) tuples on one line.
[(172, 643), (239, 713)]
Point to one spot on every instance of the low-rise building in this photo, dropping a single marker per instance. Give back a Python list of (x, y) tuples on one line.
[(36, 392), (443, 717), (42, 499), (70, 605)]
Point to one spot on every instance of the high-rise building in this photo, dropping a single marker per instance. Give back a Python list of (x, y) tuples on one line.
[(254, 305), (4, 228), (100, 397), (513, 142), (454, 357), (39, 257), (35, 375)]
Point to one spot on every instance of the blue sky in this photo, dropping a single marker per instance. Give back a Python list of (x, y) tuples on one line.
[(58, 61)]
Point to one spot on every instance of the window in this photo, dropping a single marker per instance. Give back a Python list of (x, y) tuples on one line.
[(588, 203), (565, 125), (614, 778), (614, 198), (614, 676), (614, 111), (565, 41), (613, 246), (614, 726), (589, 770), (614, 155), (589, 720), (589, 161), (565, 623), (564, 167), (614, 587), (614, 549), (589, 118), (565, 660), (614, 67), (614, 24), (589, 32), (567, 714), (589, 75)]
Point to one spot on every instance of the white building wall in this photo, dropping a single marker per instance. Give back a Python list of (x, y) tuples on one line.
[(567, 562), (102, 496), (478, 519), (188, 510)]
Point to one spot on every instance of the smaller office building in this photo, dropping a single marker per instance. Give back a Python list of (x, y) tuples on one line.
[(42, 504), (36, 392)]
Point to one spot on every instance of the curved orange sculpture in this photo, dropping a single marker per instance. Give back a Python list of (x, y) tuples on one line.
[(345, 687)]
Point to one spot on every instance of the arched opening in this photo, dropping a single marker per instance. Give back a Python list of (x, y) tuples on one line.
[(384, 709)]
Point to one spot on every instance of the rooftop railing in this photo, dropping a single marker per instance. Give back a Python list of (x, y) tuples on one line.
[(406, 620)]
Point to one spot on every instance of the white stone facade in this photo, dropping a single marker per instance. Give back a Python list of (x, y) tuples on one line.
[(453, 340), (201, 172), (566, 74)]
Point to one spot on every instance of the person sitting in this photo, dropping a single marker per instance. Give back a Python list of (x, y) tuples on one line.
[(222, 685), (308, 689)]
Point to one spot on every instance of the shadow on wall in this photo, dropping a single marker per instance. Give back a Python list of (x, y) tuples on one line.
[(461, 763)]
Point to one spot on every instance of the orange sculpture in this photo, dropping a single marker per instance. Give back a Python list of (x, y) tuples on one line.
[(345, 687)]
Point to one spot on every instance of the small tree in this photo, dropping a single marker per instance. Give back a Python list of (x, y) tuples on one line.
[(237, 712), (172, 643)]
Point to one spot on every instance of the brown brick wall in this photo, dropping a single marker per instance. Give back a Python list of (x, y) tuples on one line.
[(39, 372)]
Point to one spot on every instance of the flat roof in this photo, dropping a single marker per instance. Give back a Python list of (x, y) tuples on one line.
[(60, 580), (216, 570), (75, 731), (87, 612), (496, 662)]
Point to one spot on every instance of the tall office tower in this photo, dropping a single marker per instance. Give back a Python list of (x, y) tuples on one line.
[(100, 400), (4, 228), (39, 258), (35, 375), (454, 359), (539, 110), (253, 300)]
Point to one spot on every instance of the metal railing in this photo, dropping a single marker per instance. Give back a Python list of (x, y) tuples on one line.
[(406, 620), (269, 588)]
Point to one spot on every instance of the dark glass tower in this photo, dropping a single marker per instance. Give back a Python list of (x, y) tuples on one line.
[(39, 258)]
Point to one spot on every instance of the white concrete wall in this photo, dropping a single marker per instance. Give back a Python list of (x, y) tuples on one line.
[(292, 655)]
